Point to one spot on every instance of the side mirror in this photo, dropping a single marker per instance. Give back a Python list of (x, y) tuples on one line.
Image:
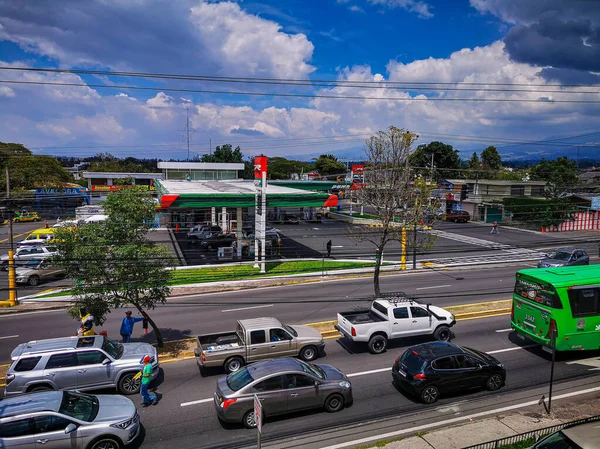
[(106, 361), (70, 428), (317, 383)]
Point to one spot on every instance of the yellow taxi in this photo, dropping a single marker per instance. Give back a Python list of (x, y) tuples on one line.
[(26, 217)]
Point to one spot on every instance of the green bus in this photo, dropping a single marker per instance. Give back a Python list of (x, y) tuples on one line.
[(565, 299)]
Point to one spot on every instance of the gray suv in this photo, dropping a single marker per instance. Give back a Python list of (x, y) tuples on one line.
[(58, 419), (77, 363)]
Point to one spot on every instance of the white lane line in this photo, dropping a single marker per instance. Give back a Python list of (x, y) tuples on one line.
[(247, 308), (454, 420), (185, 404), (433, 286), (510, 349), (505, 330), (9, 336), (374, 371)]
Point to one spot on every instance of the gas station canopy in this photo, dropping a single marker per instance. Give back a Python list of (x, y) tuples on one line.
[(235, 193)]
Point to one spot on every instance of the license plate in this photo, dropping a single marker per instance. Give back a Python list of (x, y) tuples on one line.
[(402, 372)]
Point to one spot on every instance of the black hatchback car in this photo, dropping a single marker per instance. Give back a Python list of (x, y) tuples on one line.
[(430, 369)]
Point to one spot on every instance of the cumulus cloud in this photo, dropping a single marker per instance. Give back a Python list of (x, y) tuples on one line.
[(422, 9), (185, 36), (554, 34)]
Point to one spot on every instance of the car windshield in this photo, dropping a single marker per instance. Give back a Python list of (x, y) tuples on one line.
[(112, 348), (79, 406), (315, 370), (32, 263), (239, 379), (560, 255), (557, 441), (290, 329)]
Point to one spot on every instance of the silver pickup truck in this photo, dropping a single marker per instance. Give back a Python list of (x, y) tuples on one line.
[(394, 317), (257, 339)]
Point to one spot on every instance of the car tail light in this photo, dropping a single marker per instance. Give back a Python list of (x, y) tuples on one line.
[(419, 376), (353, 332), (203, 357), (512, 311), (552, 328), (9, 378), (227, 402)]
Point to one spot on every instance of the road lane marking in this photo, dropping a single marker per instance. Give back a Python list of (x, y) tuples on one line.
[(446, 422), (433, 286), (9, 336), (247, 308), (505, 330), (374, 371), (185, 404)]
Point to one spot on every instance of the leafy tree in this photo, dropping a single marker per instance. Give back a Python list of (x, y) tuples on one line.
[(560, 175), (391, 188), (115, 263), (538, 213), (106, 162), (446, 161), (328, 164), (282, 168), (224, 153), (491, 161), (473, 166)]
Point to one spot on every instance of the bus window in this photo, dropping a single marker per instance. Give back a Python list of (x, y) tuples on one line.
[(585, 301), (542, 293)]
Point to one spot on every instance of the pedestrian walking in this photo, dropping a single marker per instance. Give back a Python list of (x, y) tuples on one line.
[(329, 248), (147, 398), (495, 228), (46, 225), (127, 326)]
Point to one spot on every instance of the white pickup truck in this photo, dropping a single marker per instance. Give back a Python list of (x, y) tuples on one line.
[(394, 317)]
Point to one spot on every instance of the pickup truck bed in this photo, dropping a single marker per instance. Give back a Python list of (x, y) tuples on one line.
[(221, 341), (362, 316)]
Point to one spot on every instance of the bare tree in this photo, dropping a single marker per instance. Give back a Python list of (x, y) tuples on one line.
[(400, 199)]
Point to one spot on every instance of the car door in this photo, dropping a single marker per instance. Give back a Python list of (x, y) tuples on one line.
[(447, 373), (90, 370), (582, 258), (47, 271), (302, 392), (281, 344), (471, 371), (271, 394), (401, 324), (258, 348), (50, 433), (17, 434), (61, 370), (421, 321)]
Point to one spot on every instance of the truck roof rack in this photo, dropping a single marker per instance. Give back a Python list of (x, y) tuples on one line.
[(397, 297)]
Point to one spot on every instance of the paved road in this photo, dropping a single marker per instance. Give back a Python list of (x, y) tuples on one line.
[(302, 303)]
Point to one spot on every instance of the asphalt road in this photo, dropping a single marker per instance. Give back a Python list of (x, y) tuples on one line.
[(301, 303)]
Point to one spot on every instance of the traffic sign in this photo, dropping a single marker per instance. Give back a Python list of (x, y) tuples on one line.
[(258, 413)]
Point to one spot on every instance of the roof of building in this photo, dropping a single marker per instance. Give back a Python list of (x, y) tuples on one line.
[(200, 166), (120, 175), (497, 182), (235, 193)]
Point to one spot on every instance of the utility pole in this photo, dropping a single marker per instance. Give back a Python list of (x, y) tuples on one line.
[(188, 132), (431, 172), (12, 291)]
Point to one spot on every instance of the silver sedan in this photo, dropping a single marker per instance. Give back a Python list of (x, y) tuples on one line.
[(283, 385)]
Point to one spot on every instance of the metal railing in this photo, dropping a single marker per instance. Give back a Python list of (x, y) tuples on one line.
[(534, 434)]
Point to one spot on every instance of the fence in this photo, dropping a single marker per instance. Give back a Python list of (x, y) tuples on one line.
[(534, 434), (581, 221)]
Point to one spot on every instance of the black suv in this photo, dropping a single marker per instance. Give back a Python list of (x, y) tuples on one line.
[(430, 369)]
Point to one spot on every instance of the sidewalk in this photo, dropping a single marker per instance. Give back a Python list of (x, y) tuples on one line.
[(501, 426)]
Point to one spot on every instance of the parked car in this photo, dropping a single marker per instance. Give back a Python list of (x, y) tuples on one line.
[(283, 386), (201, 232), (27, 217), (66, 419), (394, 316), (257, 339), (459, 216), (564, 257), (25, 253), (216, 241), (586, 436), (81, 363), (290, 219), (35, 271), (44, 234), (430, 369)]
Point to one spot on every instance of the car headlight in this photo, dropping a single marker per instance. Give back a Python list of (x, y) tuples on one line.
[(345, 384), (125, 424)]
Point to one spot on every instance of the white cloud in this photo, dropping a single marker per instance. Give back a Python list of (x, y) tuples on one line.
[(54, 130), (6, 92), (421, 8)]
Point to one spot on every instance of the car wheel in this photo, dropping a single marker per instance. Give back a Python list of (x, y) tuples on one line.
[(105, 443), (430, 394), (40, 388), (248, 420), (33, 280), (233, 364), (308, 353), (442, 333), (129, 385), (494, 382), (334, 403), (377, 344)]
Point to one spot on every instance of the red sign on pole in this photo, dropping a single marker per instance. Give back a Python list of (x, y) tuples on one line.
[(358, 176), (260, 166)]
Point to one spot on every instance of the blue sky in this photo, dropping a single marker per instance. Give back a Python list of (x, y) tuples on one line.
[(536, 46)]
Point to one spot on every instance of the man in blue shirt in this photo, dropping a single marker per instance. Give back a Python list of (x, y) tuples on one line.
[(127, 326)]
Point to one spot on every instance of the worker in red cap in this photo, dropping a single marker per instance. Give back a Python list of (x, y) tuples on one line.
[(147, 398)]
